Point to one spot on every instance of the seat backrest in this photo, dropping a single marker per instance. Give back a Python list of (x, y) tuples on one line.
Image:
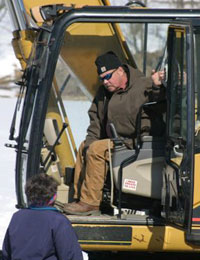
[(143, 177)]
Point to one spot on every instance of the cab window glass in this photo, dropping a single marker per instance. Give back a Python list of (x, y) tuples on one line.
[(178, 97), (146, 42)]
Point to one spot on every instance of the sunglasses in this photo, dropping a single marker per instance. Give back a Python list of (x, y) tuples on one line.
[(107, 76)]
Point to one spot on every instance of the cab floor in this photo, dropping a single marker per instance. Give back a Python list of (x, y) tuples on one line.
[(125, 219)]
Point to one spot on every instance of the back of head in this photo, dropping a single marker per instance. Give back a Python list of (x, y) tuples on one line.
[(40, 189), (107, 61)]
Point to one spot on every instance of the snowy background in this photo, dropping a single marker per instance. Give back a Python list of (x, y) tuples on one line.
[(8, 62), (7, 156)]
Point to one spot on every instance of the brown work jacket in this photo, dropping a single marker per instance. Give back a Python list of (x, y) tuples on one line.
[(123, 108)]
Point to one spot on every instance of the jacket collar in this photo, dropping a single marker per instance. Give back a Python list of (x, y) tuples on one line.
[(133, 75), (43, 208)]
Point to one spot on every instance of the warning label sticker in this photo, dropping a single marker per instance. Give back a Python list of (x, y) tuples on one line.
[(130, 184)]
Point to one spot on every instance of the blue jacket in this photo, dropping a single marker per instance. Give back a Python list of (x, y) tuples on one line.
[(38, 234)]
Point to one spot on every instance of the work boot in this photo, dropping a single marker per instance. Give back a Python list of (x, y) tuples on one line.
[(81, 209)]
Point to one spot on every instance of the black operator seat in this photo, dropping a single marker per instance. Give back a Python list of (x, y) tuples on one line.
[(141, 168)]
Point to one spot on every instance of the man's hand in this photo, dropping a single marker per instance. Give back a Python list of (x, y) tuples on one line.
[(158, 77)]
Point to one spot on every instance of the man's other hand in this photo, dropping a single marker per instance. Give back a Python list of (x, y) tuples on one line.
[(158, 77)]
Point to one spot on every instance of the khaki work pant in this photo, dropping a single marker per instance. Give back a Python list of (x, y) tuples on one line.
[(90, 174)]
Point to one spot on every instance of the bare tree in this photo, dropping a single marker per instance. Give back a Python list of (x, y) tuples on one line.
[(173, 3), (2, 9)]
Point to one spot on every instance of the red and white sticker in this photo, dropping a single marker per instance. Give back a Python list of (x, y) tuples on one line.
[(130, 184)]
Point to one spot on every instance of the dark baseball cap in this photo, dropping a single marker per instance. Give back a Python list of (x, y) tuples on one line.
[(107, 61)]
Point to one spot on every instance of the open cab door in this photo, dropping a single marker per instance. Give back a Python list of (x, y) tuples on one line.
[(181, 179)]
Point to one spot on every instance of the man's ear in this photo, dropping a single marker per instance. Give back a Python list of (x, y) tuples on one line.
[(120, 70)]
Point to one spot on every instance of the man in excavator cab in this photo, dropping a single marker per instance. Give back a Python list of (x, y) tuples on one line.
[(115, 108)]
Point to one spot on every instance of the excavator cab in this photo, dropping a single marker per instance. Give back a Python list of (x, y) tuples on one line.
[(57, 44)]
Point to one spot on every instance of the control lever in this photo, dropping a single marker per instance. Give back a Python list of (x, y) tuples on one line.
[(116, 140), (113, 130), (53, 146)]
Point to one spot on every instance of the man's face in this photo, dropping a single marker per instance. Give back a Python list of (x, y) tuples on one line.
[(112, 79)]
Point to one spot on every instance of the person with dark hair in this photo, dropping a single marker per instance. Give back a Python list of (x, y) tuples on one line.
[(118, 101), (40, 231)]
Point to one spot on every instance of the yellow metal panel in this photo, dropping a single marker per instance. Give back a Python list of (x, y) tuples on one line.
[(69, 130), (83, 43), (63, 150), (88, 29), (22, 45), (29, 4), (178, 34), (196, 199), (147, 238), (17, 49)]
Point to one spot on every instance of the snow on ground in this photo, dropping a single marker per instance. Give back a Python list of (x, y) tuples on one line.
[(8, 63), (7, 158), (78, 117)]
